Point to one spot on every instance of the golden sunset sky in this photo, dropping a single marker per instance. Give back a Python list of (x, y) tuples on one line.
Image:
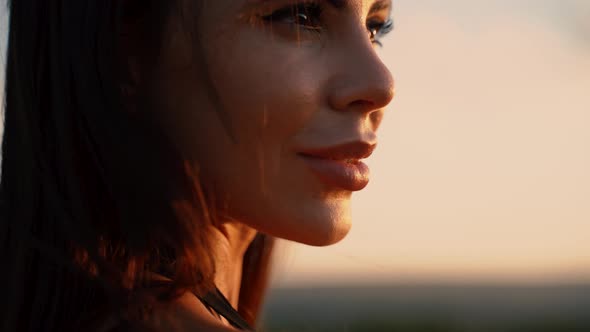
[(482, 173), (483, 167)]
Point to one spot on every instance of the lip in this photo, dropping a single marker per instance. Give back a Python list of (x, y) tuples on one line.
[(351, 150), (340, 165)]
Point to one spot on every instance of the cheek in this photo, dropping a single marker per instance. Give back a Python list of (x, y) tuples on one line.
[(262, 179), (268, 103), (268, 95)]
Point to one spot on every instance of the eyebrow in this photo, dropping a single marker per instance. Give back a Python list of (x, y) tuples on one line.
[(339, 4), (376, 6), (380, 5), (335, 3)]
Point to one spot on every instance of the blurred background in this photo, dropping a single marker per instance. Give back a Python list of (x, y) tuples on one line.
[(477, 217)]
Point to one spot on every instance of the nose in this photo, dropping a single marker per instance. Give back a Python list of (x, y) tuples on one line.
[(361, 81)]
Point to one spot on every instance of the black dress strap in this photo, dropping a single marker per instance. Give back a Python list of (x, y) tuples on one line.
[(216, 300)]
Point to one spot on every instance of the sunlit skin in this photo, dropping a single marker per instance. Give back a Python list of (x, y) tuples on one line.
[(284, 83)]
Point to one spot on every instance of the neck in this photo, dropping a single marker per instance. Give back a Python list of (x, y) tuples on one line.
[(231, 242)]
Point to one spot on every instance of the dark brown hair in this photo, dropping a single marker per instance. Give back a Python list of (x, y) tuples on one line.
[(92, 196)]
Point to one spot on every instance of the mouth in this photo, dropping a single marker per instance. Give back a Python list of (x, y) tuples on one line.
[(352, 161), (347, 160), (349, 152), (347, 174), (340, 165)]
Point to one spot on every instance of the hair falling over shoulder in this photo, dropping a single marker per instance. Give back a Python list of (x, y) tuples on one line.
[(86, 211)]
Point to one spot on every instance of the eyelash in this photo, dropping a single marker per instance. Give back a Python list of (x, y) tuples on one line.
[(378, 30), (312, 11)]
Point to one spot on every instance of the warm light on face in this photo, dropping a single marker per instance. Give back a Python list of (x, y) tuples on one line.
[(301, 90), (482, 167)]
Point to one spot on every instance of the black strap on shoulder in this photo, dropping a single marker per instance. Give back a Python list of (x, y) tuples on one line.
[(217, 301)]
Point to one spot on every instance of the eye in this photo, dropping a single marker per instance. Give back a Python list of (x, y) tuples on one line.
[(378, 29), (303, 15)]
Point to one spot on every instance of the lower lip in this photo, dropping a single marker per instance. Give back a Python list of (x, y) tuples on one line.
[(348, 176)]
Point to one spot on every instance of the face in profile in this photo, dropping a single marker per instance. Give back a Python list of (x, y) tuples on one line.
[(275, 103)]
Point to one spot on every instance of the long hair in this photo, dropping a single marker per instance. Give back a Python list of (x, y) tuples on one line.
[(93, 197)]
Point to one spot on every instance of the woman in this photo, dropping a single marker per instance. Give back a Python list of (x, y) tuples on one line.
[(153, 149)]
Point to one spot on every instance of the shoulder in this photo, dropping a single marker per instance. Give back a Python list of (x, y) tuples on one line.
[(184, 314), (181, 315)]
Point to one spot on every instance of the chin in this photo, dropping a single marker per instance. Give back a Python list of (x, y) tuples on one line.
[(315, 220), (319, 230), (328, 224), (329, 237)]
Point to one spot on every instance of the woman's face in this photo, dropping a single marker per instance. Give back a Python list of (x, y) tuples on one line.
[(265, 82)]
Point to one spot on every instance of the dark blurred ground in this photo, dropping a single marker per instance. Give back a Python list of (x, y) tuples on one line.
[(429, 309)]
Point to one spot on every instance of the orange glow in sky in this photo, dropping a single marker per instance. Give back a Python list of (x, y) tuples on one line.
[(483, 167)]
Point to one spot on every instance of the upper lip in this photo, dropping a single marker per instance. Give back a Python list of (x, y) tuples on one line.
[(345, 151)]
